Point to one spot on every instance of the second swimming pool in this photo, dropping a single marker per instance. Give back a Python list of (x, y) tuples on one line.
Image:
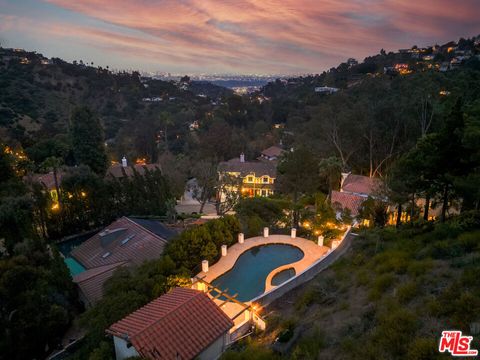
[(248, 275)]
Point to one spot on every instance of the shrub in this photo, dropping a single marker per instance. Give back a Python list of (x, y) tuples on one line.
[(423, 349), (380, 285), (407, 291), (419, 267), (309, 346), (395, 330)]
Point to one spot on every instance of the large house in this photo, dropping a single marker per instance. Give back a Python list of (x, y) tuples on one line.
[(182, 324), (126, 242), (256, 178), (125, 170), (354, 190)]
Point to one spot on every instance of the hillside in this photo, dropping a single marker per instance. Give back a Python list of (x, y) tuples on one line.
[(39, 94), (389, 297)]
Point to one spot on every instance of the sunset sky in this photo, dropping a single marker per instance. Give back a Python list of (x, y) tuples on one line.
[(254, 36)]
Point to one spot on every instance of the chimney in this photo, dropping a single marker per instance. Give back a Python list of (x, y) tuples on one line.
[(344, 177), (124, 161), (242, 157)]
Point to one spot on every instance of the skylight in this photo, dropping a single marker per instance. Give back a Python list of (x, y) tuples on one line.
[(127, 239)]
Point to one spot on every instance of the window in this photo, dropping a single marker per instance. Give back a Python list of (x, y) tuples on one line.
[(250, 179), (265, 179), (264, 193)]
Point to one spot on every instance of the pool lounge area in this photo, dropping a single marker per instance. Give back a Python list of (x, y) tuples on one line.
[(249, 267)]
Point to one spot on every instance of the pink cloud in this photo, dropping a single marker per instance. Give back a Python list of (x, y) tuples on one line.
[(268, 35)]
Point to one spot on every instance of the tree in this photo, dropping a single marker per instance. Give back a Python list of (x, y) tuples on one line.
[(258, 212), (165, 121), (330, 170), (206, 176), (36, 295), (298, 174), (228, 193), (87, 140)]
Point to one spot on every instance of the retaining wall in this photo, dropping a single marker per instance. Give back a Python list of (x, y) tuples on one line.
[(308, 274)]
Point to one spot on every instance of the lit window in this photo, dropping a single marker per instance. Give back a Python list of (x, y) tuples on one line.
[(250, 179)]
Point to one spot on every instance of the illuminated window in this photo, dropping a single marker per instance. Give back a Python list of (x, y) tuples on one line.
[(250, 179)]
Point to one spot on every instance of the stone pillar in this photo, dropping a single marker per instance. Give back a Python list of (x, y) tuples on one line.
[(240, 238), (320, 240), (205, 265), (224, 250), (294, 233), (265, 232)]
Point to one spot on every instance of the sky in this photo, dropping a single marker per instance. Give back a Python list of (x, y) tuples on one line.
[(230, 36)]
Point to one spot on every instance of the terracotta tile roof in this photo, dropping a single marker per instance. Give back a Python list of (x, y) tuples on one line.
[(92, 280), (343, 200), (360, 184), (48, 179), (118, 170), (177, 325), (123, 240), (273, 151), (258, 168)]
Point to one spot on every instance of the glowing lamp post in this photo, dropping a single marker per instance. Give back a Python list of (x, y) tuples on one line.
[(240, 238), (224, 250)]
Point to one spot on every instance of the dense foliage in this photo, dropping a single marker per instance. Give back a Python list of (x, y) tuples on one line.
[(36, 293)]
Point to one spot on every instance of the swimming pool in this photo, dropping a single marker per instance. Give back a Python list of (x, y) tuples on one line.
[(74, 266), (248, 275)]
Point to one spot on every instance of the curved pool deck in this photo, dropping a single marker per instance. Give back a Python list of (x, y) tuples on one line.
[(312, 252)]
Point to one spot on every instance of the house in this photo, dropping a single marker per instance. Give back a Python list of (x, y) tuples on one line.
[(257, 178), (48, 181), (127, 241), (182, 324), (352, 62), (325, 90), (354, 190), (123, 170), (272, 153)]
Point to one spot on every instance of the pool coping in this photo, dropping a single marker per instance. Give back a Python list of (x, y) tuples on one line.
[(312, 253)]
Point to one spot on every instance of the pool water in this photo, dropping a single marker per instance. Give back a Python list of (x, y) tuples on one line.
[(74, 266), (248, 275), (282, 276)]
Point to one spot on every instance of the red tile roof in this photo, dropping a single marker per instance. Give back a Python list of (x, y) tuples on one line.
[(48, 179), (123, 240), (118, 170), (360, 184), (273, 151), (343, 200), (92, 280), (177, 325)]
